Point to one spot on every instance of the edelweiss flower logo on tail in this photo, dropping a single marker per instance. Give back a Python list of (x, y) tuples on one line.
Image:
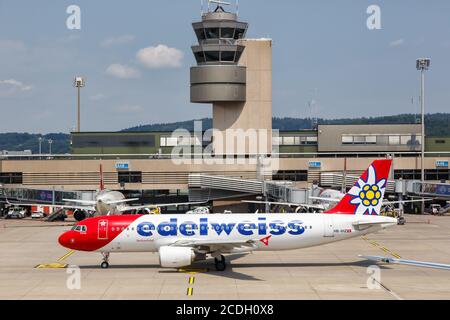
[(368, 195)]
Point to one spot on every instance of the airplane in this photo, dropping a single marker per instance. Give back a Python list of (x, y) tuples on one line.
[(106, 202), (181, 240), (325, 201)]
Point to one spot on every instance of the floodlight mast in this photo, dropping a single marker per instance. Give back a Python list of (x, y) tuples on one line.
[(423, 64), (79, 82)]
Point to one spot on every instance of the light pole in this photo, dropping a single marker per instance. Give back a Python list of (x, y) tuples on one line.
[(423, 64), (50, 141), (79, 83), (40, 145)]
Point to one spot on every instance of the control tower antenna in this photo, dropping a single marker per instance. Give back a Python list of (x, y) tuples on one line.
[(219, 4)]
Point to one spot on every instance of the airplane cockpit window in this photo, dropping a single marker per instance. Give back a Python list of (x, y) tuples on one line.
[(81, 229)]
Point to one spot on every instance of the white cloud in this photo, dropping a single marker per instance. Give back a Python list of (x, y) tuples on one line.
[(397, 43), (117, 41), (10, 87), (160, 56), (122, 71), (129, 109)]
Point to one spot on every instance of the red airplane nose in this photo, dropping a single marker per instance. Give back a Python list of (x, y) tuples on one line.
[(66, 240)]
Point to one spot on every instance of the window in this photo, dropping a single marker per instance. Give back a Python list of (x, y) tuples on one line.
[(371, 139), (212, 33), (296, 176), (212, 56), (200, 34), (11, 178), (394, 140), (405, 140), (288, 141), (359, 140), (227, 33), (440, 141), (239, 34), (199, 57), (347, 139), (130, 177), (228, 56)]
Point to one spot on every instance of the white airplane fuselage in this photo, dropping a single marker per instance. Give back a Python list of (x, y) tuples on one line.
[(148, 233)]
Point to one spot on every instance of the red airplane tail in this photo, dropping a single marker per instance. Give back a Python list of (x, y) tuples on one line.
[(366, 197)]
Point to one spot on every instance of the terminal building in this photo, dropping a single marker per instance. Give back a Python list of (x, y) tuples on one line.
[(234, 75)]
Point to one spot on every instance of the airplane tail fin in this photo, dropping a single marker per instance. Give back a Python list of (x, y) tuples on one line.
[(102, 182), (366, 197)]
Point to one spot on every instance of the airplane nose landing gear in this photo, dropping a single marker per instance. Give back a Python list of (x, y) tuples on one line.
[(105, 264), (221, 264)]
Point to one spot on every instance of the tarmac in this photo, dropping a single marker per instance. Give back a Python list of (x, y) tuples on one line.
[(34, 266)]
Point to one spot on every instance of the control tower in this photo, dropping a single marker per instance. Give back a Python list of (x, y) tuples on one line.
[(234, 74)]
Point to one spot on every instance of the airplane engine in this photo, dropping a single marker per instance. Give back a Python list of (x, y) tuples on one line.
[(176, 257), (80, 215)]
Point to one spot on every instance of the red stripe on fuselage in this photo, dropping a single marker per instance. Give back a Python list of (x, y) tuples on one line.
[(97, 234)]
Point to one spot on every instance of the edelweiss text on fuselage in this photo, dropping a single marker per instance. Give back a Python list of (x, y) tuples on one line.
[(204, 227)]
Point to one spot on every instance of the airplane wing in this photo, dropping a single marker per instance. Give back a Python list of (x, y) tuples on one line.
[(407, 262), (88, 208), (219, 246), (156, 206), (334, 200), (304, 205), (85, 202), (121, 201), (363, 225)]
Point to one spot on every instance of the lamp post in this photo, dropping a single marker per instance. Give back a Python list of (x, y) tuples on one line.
[(40, 145), (423, 64), (79, 83), (50, 141)]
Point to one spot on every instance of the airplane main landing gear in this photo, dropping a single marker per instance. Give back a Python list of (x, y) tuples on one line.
[(105, 264), (221, 264)]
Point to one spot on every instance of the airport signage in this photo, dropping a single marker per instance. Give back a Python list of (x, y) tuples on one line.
[(442, 164), (315, 164), (122, 166)]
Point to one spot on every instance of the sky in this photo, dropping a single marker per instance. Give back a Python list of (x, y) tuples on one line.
[(135, 56)]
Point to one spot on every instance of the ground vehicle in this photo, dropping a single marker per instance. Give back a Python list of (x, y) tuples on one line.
[(16, 213), (199, 210), (37, 215), (434, 209)]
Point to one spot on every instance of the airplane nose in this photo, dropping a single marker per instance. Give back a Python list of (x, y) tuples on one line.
[(66, 240)]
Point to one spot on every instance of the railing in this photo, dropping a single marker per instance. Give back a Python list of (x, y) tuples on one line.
[(224, 156)]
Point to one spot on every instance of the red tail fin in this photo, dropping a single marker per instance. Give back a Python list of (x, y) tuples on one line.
[(102, 183), (366, 197)]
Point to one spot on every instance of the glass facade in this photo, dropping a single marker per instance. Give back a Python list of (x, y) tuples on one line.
[(11, 178), (382, 140)]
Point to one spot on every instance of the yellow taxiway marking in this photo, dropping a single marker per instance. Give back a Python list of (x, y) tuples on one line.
[(51, 266), (379, 246), (68, 254), (191, 280), (193, 271), (190, 292)]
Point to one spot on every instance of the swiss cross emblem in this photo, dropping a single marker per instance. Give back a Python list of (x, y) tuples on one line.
[(266, 241)]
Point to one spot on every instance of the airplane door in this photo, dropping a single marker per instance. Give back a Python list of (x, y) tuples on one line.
[(103, 230), (328, 227)]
